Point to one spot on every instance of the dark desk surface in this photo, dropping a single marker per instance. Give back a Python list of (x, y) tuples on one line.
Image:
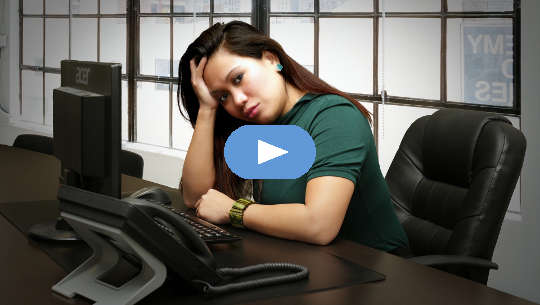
[(28, 273)]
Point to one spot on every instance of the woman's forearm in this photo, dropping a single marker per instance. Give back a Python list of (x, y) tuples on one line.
[(198, 173), (293, 221)]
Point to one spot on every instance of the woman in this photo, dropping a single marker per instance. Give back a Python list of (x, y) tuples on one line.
[(233, 75)]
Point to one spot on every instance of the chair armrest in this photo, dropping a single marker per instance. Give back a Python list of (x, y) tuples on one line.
[(441, 260)]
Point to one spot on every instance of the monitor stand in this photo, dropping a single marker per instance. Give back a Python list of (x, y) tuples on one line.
[(58, 230)]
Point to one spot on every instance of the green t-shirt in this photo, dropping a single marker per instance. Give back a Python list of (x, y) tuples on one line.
[(345, 148)]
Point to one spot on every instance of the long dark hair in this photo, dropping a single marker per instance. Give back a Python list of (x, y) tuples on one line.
[(241, 39)]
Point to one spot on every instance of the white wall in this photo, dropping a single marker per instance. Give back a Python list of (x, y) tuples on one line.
[(4, 57), (161, 165)]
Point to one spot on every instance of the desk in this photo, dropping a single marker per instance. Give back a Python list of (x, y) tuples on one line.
[(28, 273)]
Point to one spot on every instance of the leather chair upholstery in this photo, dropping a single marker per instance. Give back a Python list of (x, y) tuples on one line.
[(131, 164), (451, 182), (42, 144)]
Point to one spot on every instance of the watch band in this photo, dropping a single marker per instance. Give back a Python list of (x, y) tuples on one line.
[(236, 213)]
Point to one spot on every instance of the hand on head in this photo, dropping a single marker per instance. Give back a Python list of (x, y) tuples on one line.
[(199, 86)]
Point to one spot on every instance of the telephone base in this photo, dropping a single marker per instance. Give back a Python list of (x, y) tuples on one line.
[(85, 279)]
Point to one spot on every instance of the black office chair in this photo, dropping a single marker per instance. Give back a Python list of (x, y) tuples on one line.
[(451, 182), (34, 142), (131, 164)]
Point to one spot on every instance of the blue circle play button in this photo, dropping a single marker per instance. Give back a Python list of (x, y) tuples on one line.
[(269, 151)]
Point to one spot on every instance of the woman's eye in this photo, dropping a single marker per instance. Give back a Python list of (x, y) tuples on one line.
[(237, 79), (223, 98)]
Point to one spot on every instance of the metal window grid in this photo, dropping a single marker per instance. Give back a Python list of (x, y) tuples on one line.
[(260, 17)]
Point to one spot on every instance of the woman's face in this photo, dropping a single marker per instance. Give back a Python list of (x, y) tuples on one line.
[(249, 89)]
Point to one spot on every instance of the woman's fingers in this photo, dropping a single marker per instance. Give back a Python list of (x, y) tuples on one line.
[(199, 85), (202, 64), (197, 70), (197, 203)]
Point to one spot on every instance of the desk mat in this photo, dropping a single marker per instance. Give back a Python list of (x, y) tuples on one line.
[(327, 271)]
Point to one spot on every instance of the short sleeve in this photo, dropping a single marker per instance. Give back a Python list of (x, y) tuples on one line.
[(342, 137)]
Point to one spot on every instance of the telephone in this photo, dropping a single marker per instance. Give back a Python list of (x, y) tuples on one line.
[(146, 231)]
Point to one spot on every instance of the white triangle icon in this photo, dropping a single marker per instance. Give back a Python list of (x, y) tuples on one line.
[(267, 152)]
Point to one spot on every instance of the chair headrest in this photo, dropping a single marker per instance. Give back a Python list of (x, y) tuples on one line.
[(449, 143)]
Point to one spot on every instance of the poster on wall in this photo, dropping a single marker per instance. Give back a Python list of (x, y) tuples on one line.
[(488, 63)]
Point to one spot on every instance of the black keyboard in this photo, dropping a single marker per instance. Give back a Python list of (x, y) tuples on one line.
[(209, 232)]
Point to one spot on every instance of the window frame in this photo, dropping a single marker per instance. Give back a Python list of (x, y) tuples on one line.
[(43, 68), (444, 14), (134, 15), (260, 17)]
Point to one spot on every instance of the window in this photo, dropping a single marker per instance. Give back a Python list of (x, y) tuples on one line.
[(166, 28), (422, 54), (92, 31), (460, 53), (419, 55)]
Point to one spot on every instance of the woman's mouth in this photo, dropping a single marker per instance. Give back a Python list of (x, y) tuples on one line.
[(252, 111)]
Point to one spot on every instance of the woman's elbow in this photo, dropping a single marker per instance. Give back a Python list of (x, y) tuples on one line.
[(188, 201), (323, 235), (324, 239)]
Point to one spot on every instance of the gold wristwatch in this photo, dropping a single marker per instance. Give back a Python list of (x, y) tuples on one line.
[(236, 213)]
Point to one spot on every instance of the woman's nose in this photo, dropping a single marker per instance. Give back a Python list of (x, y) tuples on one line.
[(239, 98)]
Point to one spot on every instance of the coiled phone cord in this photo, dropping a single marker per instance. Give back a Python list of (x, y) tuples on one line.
[(300, 272)]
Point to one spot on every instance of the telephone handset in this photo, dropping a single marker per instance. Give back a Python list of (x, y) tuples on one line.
[(175, 227), (172, 241)]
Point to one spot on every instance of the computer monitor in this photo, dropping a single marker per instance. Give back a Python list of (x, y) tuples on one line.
[(87, 125), (87, 134)]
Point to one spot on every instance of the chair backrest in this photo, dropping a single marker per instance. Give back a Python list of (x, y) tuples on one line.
[(451, 182), (131, 163), (42, 144)]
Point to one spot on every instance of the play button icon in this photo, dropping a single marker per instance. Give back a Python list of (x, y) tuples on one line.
[(266, 152), (269, 151)]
